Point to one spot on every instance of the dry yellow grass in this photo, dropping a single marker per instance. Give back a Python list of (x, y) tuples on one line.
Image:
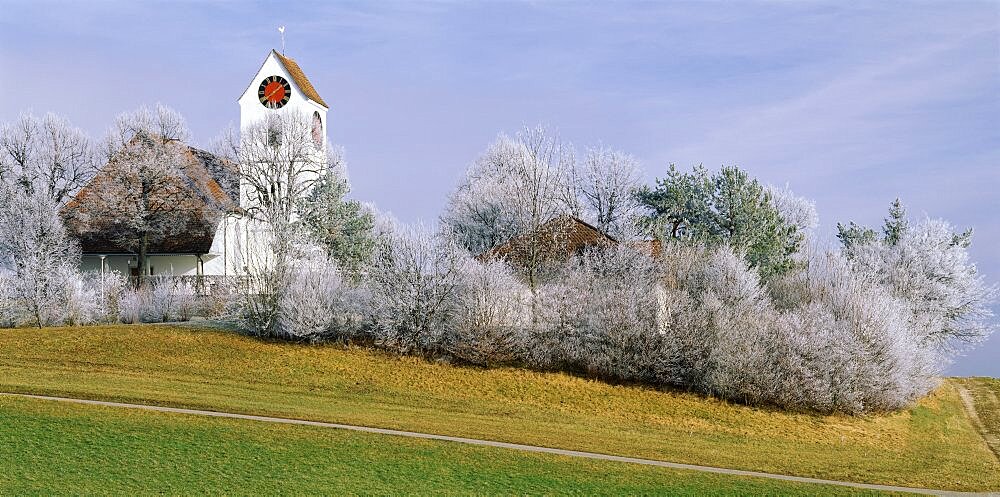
[(984, 395), (933, 444)]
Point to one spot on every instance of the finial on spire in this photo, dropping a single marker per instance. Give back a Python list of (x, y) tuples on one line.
[(281, 29)]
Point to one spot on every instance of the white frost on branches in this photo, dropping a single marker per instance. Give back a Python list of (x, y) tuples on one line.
[(39, 257), (606, 182), (47, 155), (518, 184), (795, 210), (929, 267)]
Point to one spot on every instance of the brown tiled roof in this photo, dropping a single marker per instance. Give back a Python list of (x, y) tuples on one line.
[(654, 248), (300, 79), (566, 235), (212, 186)]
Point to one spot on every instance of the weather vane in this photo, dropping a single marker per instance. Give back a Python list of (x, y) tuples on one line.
[(281, 29)]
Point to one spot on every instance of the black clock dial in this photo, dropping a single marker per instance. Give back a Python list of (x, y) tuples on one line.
[(274, 92)]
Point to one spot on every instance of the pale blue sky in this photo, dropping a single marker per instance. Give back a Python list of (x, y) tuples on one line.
[(849, 105)]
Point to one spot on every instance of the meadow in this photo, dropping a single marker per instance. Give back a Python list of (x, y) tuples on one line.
[(931, 444), (63, 449)]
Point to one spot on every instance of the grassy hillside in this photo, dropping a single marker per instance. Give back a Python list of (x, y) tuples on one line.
[(54, 448), (985, 396), (932, 444)]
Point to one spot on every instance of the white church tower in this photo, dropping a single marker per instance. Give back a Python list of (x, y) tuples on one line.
[(279, 87)]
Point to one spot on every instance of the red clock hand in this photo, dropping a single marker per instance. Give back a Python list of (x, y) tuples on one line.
[(268, 96)]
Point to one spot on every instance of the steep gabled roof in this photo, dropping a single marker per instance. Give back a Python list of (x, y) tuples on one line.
[(300, 78), (213, 183), (561, 236)]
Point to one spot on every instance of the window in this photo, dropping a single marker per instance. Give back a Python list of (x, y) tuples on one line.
[(317, 130)]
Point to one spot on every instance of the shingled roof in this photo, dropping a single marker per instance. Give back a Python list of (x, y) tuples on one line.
[(300, 78), (562, 236), (212, 184)]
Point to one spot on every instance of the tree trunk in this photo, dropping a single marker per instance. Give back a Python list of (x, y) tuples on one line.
[(142, 261)]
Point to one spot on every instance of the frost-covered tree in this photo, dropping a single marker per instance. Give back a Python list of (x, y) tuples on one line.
[(40, 258), (142, 196), (47, 155), (606, 181), (795, 210), (279, 165), (516, 186), (928, 265), (415, 278)]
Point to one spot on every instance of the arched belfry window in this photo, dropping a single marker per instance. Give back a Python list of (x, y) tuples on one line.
[(317, 129)]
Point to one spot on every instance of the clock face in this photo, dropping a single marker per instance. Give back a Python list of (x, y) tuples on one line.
[(274, 92)]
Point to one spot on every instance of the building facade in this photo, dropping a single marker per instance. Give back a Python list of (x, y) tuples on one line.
[(221, 239)]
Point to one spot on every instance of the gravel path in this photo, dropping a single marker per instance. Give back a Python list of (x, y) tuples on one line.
[(505, 445)]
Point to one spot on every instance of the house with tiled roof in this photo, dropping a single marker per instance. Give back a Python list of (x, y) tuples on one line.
[(204, 191), (214, 241), (559, 238), (563, 237)]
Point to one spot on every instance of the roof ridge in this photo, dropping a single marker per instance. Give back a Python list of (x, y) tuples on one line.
[(300, 78)]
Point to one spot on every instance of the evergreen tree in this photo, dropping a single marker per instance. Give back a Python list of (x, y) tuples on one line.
[(853, 235), (728, 208), (342, 227), (895, 225), (679, 203)]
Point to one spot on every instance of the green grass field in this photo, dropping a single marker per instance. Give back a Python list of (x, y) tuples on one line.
[(932, 444), (54, 448)]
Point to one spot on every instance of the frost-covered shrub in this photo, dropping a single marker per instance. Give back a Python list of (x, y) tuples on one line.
[(317, 302), (714, 324), (168, 299), (558, 310), (220, 299), (162, 299), (82, 301), (619, 334), (490, 316), (185, 300), (9, 309), (131, 305), (414, 281), (847, 344), (108, 291), (824, 337)]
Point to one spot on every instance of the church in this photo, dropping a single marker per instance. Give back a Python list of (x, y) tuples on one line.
[(215, 240)]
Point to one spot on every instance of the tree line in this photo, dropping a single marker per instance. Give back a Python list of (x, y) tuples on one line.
[(739, 301)]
